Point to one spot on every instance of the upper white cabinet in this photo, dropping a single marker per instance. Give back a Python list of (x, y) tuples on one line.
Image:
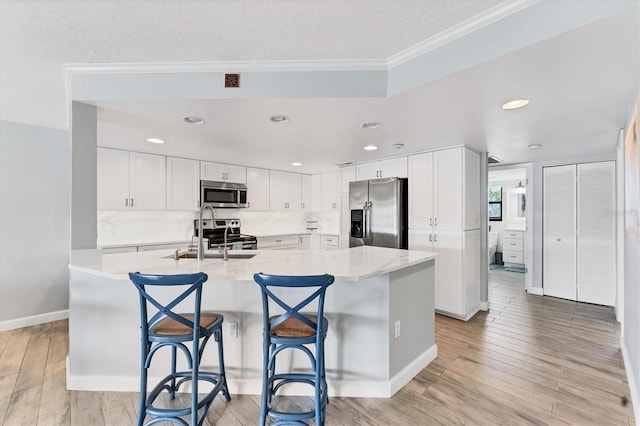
[(130, 180), (257, 189), (329, 184), (394, 167), (183, 184), (285, 189), (444, 190), (306, 192), (347, 174), (222, 172)]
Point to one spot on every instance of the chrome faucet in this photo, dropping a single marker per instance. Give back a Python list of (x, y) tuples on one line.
[(225, 255), (200, 230)]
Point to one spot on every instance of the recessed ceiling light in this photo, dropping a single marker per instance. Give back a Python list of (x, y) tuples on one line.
[(155, 140), (535, 146), (371, 125), (398, 145), (516, 103), (296, 164), (192, 119), (370, 147), (279, 118)]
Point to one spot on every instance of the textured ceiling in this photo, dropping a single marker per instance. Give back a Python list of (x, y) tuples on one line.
[(38, 37), (580, 83)]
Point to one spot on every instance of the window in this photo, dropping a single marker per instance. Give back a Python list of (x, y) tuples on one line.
[(495, 203)]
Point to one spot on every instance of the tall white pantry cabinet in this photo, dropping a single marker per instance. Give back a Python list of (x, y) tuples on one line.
[(444, 217)]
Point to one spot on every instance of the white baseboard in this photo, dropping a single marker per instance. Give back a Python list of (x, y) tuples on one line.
[(536, 290), (484, 306), (337, 388), (631, 379), (33, 320), (411, 370), (467, 317)]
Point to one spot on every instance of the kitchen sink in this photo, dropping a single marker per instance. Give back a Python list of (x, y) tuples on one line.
[(194, 255)]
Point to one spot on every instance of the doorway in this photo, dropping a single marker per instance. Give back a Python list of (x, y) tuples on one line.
[(509, 237)]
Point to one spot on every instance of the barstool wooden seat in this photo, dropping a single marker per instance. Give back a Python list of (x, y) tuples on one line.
[(295, 330), (167, 328)]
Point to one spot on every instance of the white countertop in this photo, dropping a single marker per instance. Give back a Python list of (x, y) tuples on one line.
[(353, 264)]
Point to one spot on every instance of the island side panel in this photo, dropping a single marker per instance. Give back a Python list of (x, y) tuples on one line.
[(412, 303)]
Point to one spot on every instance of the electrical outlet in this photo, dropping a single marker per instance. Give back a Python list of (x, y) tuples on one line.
[(397, 329), (232, 329)]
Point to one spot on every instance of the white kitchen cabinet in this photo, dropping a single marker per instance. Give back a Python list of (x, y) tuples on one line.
[(347, 174), (183, 184), (284, 190), (329, 184), (257, 189), (329, 242), (393, 167), (444, 217), (219, 172), (280, 242), (306, 192), (304, 242), (457, 291), (315, 242), (130, 180), (316, 192), (444, 190)]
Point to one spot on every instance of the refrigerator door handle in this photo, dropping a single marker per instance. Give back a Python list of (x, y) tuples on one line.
[(364, 223)]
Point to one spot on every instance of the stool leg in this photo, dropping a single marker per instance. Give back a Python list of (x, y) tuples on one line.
[(195, 364), (217, 335), (272, 370), (172, 391), (142, 406), (265, 380)]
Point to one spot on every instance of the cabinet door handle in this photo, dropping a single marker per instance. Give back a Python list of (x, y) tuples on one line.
[(132, 202), (278, 241), (303, 208), (434, 238), (126, 202), (380, 173), (435, 222), (430, 237), (430, 221), (248, 204)]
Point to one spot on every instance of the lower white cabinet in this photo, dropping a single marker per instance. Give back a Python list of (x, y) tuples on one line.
[(513, 248), (281, 242), (329, 242), (457, 291)]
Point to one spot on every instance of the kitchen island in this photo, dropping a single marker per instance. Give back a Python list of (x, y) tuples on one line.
[(380, 311)]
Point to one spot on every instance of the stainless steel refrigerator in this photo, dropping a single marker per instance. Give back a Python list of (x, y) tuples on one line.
[(379, 213)]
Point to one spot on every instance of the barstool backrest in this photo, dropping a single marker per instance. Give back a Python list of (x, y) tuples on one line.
[(164, 310), (320, 281)]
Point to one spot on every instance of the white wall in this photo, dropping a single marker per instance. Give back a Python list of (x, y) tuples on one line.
[(35, 182), (631, 313)]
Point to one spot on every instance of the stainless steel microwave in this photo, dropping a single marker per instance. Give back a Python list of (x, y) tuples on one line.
[(223, 194)]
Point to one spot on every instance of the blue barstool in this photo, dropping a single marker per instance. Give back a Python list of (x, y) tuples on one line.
[(171, 329), (294, 329)]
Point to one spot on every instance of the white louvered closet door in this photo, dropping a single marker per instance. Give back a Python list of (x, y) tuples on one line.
[(596, 233), (559, 232)]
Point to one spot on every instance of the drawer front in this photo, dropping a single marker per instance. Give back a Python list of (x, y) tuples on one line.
[(514, 234), (329, 241), (513, 257), (512, 244), (276, 242)]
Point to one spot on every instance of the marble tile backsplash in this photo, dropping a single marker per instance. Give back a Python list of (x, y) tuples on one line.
[(141, 227)]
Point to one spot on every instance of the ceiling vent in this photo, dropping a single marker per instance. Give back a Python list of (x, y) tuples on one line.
[(494, 160), (232, 80)]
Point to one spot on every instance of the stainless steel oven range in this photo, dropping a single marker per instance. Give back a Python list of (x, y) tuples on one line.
[(213, 231)]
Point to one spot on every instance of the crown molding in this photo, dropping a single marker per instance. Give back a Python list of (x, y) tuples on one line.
[(226, 66), (462, 29)]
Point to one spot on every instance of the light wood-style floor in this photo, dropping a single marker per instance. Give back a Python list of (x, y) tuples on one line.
[(529, 360)]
